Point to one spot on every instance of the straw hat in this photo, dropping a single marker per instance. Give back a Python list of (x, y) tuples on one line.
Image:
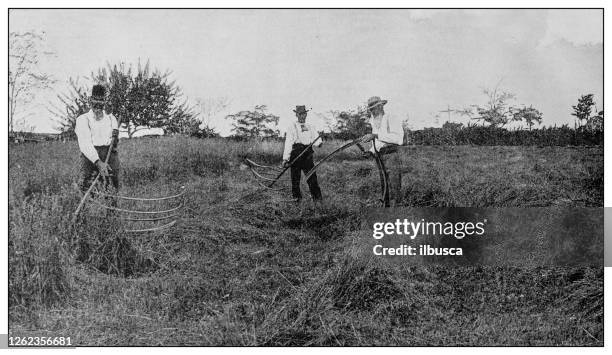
[(375, 101)]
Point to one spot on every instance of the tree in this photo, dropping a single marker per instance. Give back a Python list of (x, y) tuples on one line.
[(182, 120), (25, 79), (76, 103), (351, 124), (596, 123), (496, 112), (140, 99), (582, 111), (529, 114), (254, 124)]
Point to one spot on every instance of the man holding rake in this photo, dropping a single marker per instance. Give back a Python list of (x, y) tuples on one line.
[(299, 137), (97, 132)]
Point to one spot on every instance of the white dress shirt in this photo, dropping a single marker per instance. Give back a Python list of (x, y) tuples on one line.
[(389, 131), (298, 133), (91, 132)]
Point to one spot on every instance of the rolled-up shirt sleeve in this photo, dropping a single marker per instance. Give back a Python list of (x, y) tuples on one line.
[(289, 140), (83, 133)]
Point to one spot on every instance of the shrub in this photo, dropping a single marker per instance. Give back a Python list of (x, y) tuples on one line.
[(481, 135)]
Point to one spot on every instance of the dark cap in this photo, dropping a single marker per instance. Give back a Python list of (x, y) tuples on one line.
[(98, 93), (300, 109)]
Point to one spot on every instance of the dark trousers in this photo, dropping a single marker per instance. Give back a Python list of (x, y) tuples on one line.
[(304, 163), (89, 170), (392, 164)]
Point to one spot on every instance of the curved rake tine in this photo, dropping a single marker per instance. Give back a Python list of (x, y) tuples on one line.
[(269, 174), (318, 164), (272, 178), (257, 177), (261, 176), (151, 229), (148, 219), (252, 163), (138, 212), (268, 187), (141, 199)]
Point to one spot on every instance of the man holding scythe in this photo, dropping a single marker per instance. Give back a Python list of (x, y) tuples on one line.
[(300, 136), (386, 136), (97, 133)]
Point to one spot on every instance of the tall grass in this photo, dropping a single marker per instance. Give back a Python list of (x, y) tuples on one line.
[(39, 252), (258, 270)]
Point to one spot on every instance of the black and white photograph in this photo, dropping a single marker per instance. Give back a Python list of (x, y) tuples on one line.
[(312, 177)]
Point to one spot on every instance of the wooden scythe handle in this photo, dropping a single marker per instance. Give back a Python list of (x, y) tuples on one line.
[(84, 198)]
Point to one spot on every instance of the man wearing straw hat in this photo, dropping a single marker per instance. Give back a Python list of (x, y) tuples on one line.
[(386, 136), (97, 132), (299, 136)]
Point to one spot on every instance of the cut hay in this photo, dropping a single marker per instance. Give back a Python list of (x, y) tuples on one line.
[(103, 245)]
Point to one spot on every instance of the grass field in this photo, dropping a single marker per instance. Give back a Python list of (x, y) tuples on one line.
[(259, 270)]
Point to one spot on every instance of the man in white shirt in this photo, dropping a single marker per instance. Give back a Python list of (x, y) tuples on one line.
[(386, 136), (299, 136), (97, 132)]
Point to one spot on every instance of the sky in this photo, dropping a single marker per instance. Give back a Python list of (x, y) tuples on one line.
[(421, 61)]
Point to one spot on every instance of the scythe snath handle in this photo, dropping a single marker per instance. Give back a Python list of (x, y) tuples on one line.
[(293, 161), (383, 175), (318, 164), (82, 203)]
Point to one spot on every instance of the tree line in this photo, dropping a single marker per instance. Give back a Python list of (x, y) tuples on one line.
[(142, 97)]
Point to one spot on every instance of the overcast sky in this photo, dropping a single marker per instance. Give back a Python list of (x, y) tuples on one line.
[(422, 61)]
